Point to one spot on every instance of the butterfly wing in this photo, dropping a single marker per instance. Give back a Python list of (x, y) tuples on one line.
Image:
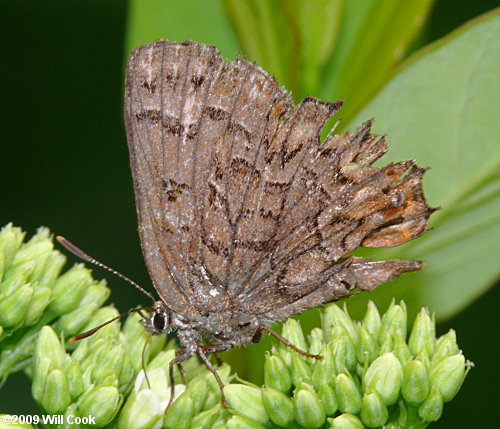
[(239, 206)]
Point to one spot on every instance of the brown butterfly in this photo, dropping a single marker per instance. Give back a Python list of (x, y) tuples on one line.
[(245, 217)]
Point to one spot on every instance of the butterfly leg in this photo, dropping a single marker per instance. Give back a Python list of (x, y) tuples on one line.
[(182, 355), (209, 365), (288, 343), (182, 373)]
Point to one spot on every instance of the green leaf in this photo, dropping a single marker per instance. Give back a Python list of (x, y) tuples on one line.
[(374, 38), (199, 20), (265, 31), (441, 109)]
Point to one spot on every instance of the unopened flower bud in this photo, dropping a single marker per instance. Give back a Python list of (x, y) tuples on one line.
[(432, 407), (416, 384), (400, 348), (333, 317), (300, 370), (384, 376), (328, 398), (180, 414), (423, 334), (448, 374), (276, 373), (374, 412), (56, 397), (393, 320), (316, 341), (13, 307), (309, 410), (39, 302), (292, 332), (347, 393), (368, 348), (247, 402), (279, 406), (346, 421), (52, 269), (446, 345), (102, 403), (68, 289)]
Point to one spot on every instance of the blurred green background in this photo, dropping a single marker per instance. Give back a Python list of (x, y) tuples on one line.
[(64, 159)]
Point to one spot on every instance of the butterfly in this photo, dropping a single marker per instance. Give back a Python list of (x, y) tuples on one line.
[(245, 216)]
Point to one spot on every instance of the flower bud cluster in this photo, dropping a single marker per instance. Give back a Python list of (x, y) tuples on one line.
[(34, 293), (370, 375)]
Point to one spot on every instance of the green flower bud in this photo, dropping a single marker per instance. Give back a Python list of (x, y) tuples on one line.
[(416, 384), (346, 421), (367, 349), (110, 360), (393, 320), (324, 370), (97, 293), (388, 345), (238, 422), (347, 393), (276, 374), (198, 392), (316, 341), (328, 398), (400, 348), (33, 250), (384, 376), (48, 345), (39, 302), (309, 411), (40, 373), (292, 332), (102, 403), (374, 412), (69, 288), (56, 397), (372, 320), (447, 375), (342, 349), (423, 334), (15, 278), (246, 401), (300, 370), (446, 345), (10, 240), (432, 408), (161, 360), (334, 316), (75, 379), (205, 420), (180, 414), (279, 407), (13, 307), (52, 270)]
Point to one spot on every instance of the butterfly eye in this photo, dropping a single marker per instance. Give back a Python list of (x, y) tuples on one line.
[(159, 321)]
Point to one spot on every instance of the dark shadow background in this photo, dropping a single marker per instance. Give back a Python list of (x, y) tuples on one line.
[(64, 164)]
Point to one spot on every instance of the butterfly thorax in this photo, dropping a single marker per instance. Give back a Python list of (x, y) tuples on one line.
[(222, 327)]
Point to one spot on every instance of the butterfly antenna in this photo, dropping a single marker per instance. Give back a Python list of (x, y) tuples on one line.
[(82, 255), (94, 330)]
